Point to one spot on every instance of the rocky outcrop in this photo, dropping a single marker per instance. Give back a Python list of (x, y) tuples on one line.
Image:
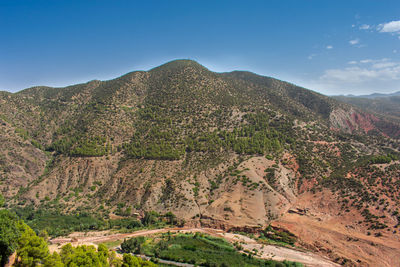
[(356, 121), (352, 121)]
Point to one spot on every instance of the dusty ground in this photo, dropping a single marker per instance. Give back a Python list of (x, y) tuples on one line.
[(264, 251), (279, 253), (338, 237), (239, 204)]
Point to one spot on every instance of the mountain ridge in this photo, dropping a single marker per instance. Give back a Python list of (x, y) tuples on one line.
[(373, 95)]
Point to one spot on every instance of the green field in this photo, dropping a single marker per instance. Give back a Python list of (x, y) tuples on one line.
[(198, 249)]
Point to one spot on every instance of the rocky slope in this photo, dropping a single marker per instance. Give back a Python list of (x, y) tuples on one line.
[(228, 150), (380, 104)]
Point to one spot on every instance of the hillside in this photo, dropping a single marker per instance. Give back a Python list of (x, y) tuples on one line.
[(226, 150), (388, 105)]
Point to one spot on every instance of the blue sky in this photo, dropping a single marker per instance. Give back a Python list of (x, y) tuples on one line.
[(333, 47)]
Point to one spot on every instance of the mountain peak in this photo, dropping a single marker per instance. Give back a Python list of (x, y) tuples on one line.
[(180, 63)]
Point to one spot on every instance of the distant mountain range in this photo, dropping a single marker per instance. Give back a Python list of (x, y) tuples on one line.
[(233, 150), (374, 95)]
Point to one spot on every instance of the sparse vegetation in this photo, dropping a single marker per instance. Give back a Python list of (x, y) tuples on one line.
[(279, 235)]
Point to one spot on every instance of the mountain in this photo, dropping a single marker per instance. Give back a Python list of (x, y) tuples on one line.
[(374, 95), (385, 104), (230, 150)]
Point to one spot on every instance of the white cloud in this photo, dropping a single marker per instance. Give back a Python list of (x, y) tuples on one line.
[(329, 47), (384, 65), (349, 75), (359, 77), (365, 27), (391, 27), (364, 71), (364, 61), (354, 42)]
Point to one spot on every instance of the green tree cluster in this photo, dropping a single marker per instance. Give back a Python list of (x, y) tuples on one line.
[(15, 235), (280, 235), (259, 135), (163, 150), (56, 223), (32, 250), (10, 231), (83, 146), (381, 159)]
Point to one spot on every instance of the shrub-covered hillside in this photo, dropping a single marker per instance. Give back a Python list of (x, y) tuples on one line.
[(230, 150)]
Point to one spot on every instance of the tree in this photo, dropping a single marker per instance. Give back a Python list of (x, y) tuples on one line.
[(9, 235), (171, 218), (103, 254), (113, 260), (32, 249), (66, 253), (54, 260), (43, 234), (150, 218), (133, 245), (132, 261), (84, 256)]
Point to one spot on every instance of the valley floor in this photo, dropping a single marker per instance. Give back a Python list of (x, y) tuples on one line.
[(264, 251)]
